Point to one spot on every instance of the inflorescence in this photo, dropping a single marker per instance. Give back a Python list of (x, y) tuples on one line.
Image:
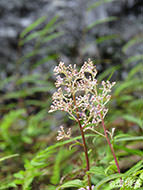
[(79, 90)]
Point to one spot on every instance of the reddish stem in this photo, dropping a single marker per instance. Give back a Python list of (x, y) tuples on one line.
[(108, 141), (84, 145)]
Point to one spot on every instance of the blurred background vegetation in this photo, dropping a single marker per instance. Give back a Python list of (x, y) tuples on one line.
[(34, 37)]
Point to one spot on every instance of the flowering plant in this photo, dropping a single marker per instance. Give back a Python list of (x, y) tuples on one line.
[(79, 90), (80, 95)]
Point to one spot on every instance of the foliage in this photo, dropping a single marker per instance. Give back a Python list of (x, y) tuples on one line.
[(30, 156)]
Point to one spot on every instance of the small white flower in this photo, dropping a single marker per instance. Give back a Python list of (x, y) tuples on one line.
[(62, 134), (59, 81)]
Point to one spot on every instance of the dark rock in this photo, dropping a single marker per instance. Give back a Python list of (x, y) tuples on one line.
[(76, 44)]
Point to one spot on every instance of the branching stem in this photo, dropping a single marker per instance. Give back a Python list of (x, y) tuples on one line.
[(84, 144), (109, 143)]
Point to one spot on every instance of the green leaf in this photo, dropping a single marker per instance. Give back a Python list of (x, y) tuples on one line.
[(8, 157), (108, 72), (129, 151), (108, 19), (44, 60), (111, 169), (128, 85), (133, 41), (34, 78), (72, 118), (73, 183), (62, 154), (7, 185), (52, 36), (19, 175), (74, 144), (31, 36), (136, 69), (50, 26), (28, 91), (41, 154), (106, 179), (97, 171), (7, 121), (139, 138), (136, 104), (133, 119), (105, 38), (134, 58), (98, 3), (6, 81), (40, 34), (134, 169), (32, 26)]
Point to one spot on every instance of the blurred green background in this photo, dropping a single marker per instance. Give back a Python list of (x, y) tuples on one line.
[(34, 37)]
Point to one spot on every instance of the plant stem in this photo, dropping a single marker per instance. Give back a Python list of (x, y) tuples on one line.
[(109, 143), (84, 144)]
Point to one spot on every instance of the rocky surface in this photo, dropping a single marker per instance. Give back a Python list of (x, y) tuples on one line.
[(76, 44)]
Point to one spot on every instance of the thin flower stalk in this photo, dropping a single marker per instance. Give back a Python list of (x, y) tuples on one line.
[(84, 145), (109, 143)]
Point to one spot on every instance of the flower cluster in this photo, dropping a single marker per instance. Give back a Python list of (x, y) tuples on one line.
[(80, 95)]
